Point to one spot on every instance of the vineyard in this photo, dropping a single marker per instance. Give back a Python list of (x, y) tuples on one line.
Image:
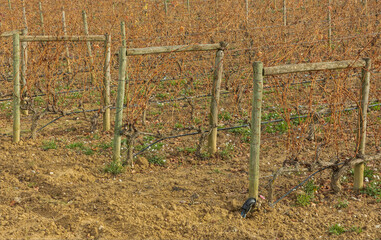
[(158, 119)]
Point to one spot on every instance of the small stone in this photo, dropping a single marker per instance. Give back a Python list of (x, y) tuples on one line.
[(17, 200)]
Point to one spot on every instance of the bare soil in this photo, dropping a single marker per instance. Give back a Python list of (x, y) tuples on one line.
[(64, 194)]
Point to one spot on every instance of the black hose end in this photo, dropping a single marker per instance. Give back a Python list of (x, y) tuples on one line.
[(245, 209)]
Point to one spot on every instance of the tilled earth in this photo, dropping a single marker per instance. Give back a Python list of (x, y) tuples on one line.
[(64, 194)]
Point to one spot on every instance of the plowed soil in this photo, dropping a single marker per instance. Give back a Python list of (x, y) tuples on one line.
[(64, 194)]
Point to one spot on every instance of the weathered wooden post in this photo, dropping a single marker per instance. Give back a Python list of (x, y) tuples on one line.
[(123, 32), (86, 30), (213, 117), (188, 6), (24, 65), (106, 83), (67, 47), (329, 25), (255, 130), (119, 104), (16, 87), (9, 5), (41, 18), (166, 7), (24, 14), (124, 44), (361, 136)]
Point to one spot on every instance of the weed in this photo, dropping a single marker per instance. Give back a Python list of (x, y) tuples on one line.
[(81, 146), (74, 95), (245, 132), (375, 108), (46, 145), (310, 188), (356, 229), (369, 173), (227, 151), (104, 145), (304, 199), (162, 95), (336, 229), (190, 149), (373, 189), (196, 120), (179, 125), (75, 145), (342, 204), (225, 116), (39, 100), (88, 151), (114, 168), (157, 160)]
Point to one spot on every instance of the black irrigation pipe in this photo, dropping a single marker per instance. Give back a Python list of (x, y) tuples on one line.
[(165, 101), (302, 182), (235, 127), (68, 114)]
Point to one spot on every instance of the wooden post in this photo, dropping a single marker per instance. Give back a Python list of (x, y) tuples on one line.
[(9, 5), (119, 104), (329, 25), (284, 13), (275, 5), (41, 18), (255, 130), (361, 137), (124, 44), (106, 83), (213, 117), (24, 14), (16, 87), (24, 65), (65, 34), (188, 6), (123, 32), (86, 30)]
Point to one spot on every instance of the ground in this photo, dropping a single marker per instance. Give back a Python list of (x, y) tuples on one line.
[(64, 193)]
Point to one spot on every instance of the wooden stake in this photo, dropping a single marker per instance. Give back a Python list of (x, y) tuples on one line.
[(361, 138), (213, 117), (119, 104), (16, 88), (123, 32), (9, 5), (41, 18), (106, 83), (24, 15), (86, 30), (67, 47), (188, 6), (24, 65), (255, 130)]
